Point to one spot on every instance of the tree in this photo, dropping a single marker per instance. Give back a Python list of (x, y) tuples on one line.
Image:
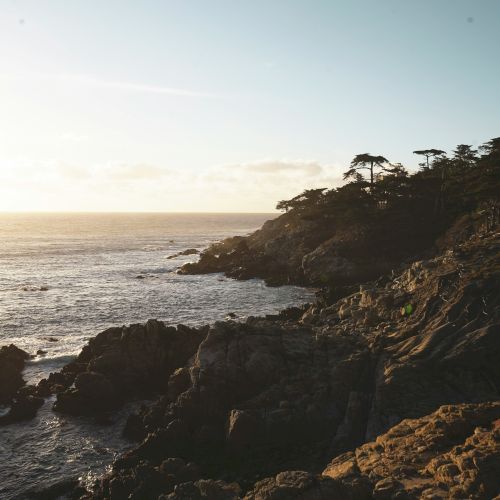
[(307, 199), (491, 148), (464, 155), (428, 153), (397, 169), (284, 205), (365, 161)]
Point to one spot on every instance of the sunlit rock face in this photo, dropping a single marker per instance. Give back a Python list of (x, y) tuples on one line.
[(451, 453)]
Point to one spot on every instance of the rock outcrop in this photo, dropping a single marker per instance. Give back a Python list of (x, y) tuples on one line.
[(21, 399), (120, 363), (12, 360), (267, 403), (188, 251), (293, 249), (451, 453)]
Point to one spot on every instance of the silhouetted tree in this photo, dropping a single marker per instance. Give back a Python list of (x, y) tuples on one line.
[(306, 199), (492, 147), (284, 205), (464, 155), (365, 161), (485, 179), (403, 211), (428, 153), (396, 169)]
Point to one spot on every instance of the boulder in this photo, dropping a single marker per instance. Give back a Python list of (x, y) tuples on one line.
[(23, 407), (12, 360), (93, 393), (120, 363)]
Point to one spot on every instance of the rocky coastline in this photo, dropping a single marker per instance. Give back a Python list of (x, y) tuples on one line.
[(387, 388)]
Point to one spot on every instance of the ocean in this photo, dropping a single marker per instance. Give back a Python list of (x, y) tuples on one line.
[(66, 277)]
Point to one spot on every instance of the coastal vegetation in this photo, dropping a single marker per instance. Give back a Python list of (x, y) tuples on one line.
[(372, 224), (432, 196)]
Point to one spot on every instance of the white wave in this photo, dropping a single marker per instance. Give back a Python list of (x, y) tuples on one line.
[(49, 360)]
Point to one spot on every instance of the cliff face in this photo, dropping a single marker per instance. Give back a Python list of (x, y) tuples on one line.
[(325, 251), (263, 407)]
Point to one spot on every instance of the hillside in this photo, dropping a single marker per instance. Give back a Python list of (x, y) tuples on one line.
[(361, 230)]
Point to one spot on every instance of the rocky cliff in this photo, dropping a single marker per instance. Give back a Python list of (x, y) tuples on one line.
[(389, 389), (295, 249), (389, 392)]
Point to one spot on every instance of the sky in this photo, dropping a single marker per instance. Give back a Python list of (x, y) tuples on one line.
[(231, 105)]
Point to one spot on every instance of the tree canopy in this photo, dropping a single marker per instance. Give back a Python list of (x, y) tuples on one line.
[(428, 153), (413, 205), (365, 161)]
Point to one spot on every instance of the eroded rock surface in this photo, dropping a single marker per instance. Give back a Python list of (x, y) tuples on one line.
[(451, 453)]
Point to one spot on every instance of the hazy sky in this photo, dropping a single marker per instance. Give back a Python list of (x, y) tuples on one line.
[(231, 105)]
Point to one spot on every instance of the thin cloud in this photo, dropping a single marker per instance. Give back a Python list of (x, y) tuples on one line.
[(71, 171), (270, 176), (282, 166), (92, 81), (137, 172)]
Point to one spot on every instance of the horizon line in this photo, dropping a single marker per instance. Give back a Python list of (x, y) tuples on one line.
[(2, 212)]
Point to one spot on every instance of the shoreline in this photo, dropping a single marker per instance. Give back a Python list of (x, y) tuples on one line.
[(228, 394)]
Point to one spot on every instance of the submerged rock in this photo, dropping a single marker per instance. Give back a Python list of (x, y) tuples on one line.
[(64, 488), (189, 251)]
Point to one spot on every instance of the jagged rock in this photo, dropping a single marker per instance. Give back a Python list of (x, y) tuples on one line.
[(189, 251), (23, 407), (179, 470), (12, 360), (286, 394), (93, 393), (452, 453), (205, 489), (120, 363), (178, 382), (301, 485)]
